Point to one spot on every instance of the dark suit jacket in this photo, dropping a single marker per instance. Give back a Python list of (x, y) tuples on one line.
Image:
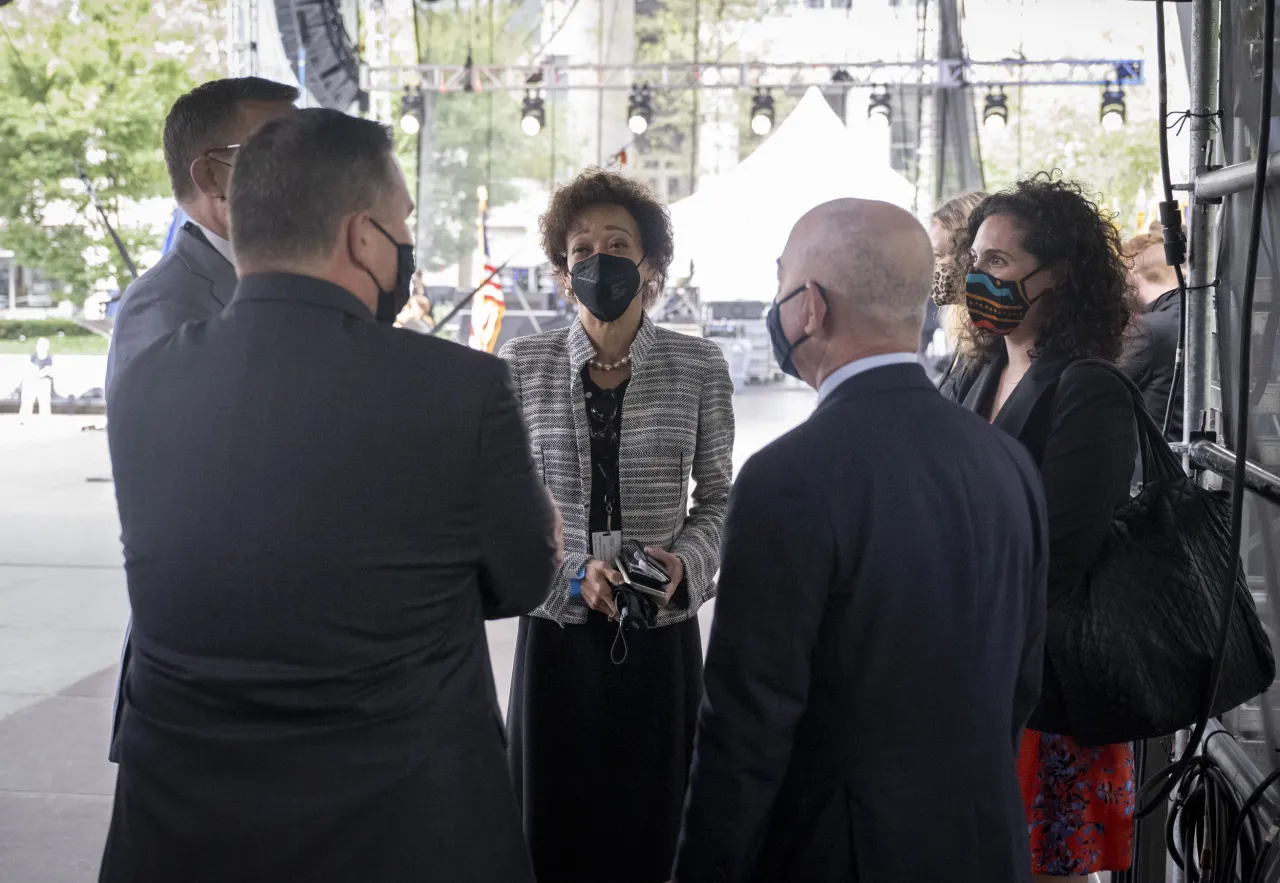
[(876, 650), (318, 514), (1150, 357), (1078, 424), (192, 281)]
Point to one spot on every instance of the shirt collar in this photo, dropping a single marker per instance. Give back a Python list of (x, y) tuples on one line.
[(860, 366), (220, 245)]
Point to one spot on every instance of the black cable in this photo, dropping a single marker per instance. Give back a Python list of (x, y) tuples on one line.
[(1175, 241)]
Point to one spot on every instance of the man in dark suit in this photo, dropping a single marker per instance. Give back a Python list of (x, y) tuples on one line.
[(879, 629), (197, 276), (1150, 357), (319, 511)]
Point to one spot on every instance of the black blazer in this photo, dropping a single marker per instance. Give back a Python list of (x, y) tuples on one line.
[(1079, 426), (1150, 358), (318, 514), (876, 650)]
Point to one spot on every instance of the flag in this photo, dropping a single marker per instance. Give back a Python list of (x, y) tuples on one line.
[(489, 305)]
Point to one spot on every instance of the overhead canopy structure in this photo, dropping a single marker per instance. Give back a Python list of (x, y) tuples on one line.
[(734, 227)]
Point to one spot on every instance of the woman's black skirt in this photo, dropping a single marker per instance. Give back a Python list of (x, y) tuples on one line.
[(600, 752)]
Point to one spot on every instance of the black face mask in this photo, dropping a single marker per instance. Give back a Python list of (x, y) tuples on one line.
[(606, 284), (390, 303), (783, 349)]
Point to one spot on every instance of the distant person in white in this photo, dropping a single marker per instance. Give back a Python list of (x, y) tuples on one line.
[(37, 385)]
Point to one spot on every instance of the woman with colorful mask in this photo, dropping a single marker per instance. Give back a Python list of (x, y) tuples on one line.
[(1045, 288), (621, 415)]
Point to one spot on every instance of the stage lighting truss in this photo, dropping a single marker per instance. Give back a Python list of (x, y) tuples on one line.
[(762, 113), (533, 115), (995, 110), (880, 107), (754, 76), (411, 111), (640, 109)]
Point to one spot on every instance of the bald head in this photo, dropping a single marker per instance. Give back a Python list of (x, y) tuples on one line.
[(873, 259)]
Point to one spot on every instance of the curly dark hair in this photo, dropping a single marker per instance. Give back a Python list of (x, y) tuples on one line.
[(600, 187), (1089, 311)]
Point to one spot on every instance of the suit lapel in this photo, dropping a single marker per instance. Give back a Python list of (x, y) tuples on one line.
[(581, 351), (207, 262), (1040, 380), (983, 388)]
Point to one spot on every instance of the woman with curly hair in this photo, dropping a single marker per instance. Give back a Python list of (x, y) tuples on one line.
[(621, 415), (1045, 288)]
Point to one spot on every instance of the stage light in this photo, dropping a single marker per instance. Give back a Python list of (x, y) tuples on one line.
[(533, 115), (880, 107), (762, 113), (995, 110), (639, 110), (1112, 113), (411, 112)]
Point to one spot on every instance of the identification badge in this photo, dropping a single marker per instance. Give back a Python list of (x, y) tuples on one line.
[(606, 546)]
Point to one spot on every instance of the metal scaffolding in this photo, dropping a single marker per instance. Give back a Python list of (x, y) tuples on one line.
[(944, 74)]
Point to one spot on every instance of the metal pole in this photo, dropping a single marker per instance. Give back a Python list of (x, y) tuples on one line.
[(1198, 315), (1236, 179), (693, 134), (426, 166)]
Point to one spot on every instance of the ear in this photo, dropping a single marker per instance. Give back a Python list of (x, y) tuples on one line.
[(356, 235), (206, 179), (815, 309)]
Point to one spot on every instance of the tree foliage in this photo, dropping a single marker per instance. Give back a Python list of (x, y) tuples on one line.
[(1060, 130), (89, 83), (477, 136), (668, 36)]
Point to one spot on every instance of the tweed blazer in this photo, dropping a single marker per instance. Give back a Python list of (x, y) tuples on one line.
[(677, 424)]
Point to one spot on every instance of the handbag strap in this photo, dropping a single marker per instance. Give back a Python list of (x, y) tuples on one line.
[(1158, 459)]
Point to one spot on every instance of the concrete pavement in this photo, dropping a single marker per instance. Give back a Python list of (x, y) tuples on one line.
[(63, 608)]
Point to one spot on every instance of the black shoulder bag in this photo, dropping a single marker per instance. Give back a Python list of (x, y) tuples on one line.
[(1130, 648)]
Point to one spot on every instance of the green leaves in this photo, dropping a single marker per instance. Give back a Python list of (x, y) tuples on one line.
[(1061, 131), (91, 85)]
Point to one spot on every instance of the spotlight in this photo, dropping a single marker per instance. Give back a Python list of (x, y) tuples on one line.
[(411, 112), (639, 110), (1112, 113), (995, 110), (533, 116), (841, 76), (880, 107), (762, 113)]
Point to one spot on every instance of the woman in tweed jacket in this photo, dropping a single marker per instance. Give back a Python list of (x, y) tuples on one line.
[(621, 415)]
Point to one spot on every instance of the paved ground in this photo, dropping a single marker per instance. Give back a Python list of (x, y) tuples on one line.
[(63, 608)]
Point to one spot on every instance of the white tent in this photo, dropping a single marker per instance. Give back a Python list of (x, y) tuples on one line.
[(735, 226)]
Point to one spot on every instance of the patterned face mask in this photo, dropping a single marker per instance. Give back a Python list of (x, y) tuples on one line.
[(945, 291), (998, 305)]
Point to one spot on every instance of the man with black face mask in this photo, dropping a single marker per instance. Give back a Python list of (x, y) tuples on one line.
[(868, 678), (319, 511)]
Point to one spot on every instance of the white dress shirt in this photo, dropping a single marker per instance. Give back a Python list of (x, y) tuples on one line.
[(859, 366), (222, 246)]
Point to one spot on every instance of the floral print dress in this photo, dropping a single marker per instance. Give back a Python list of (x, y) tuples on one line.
[(1080, 803)]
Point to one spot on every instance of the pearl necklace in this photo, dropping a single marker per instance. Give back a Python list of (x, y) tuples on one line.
[(600, 366)]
